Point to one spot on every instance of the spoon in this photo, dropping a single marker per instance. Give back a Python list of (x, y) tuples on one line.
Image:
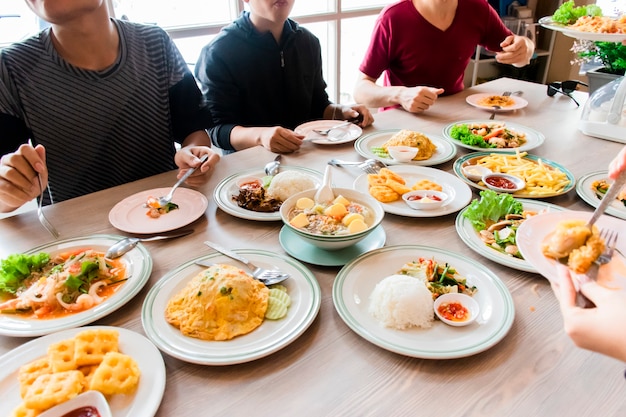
[(121, 247), (165, 200), (271, 168), (324, 194)]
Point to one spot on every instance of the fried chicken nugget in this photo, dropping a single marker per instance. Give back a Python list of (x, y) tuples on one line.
[(398, 187), (375, 179), (389, 174), (384, 194)]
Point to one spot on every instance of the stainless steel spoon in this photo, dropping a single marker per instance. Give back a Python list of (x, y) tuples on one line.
[(120, 248), (164, 200), (271, 168)]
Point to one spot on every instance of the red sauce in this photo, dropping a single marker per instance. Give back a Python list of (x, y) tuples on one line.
[(501, 182), (453, 311), (250, 185), (87, 411), (419, 197)]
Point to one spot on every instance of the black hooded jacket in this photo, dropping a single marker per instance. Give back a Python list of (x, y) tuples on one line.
[(250, 80)]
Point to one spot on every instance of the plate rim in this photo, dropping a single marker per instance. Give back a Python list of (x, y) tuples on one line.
[(522, 103), (582, 189), (541, 138), (207, 359), (222, 187), (195, 215), (507, 317), (456, 166), (320, 141), (468, 235), (157, 384), (442, 211), (450, 148), (87, 316)]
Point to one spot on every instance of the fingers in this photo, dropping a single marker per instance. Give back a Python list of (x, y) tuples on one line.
[(618, 164), (566, 291), (18, 175)]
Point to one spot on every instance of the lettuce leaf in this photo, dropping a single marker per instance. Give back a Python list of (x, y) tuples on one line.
[(17, 267), (568, 13), (490, 208)]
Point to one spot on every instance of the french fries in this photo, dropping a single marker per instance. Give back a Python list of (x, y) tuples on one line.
[(541, 180)]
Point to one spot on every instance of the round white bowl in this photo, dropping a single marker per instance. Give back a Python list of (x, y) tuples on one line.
[(465, 300), (475, 172), (402, 153), (425, 199), (335, 242), (93, 399), (517, 182)]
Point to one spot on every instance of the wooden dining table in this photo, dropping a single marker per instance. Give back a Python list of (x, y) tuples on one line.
[(329, 370)]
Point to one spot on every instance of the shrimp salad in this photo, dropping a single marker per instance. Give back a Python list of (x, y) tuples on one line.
[(41, 287), (488, 135)]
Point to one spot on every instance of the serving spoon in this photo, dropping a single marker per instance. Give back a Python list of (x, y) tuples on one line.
[(121, 247)]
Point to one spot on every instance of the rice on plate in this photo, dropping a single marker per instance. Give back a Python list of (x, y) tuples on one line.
[(286, 183), (401, 302)]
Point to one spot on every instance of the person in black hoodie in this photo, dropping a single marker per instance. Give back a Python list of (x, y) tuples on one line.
[(262, 77)]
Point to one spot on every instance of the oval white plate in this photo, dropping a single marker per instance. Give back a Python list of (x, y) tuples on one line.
[(467, 159), (471, 238), (266, 339), (547, 22), (533, 231), (473, 100), (143, 403), (138, 267), (445, 149), (356, 281), (337, 136), (534, 138), (459, 193), (130, 215), (227, 189), (584, 190)]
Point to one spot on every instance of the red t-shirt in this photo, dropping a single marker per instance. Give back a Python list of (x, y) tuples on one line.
[(411, 52)]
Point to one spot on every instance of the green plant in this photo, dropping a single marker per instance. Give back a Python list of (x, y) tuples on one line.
[(612, 55)]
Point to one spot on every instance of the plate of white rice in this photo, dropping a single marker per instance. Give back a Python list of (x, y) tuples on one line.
[(378, 307), (288, 181)]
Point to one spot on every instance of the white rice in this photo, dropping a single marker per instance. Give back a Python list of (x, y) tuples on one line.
[(401, 302), (286, 183)]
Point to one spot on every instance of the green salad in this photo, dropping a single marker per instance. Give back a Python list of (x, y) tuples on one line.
[(568, 13)]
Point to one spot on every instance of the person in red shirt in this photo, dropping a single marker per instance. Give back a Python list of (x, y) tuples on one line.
[(422, 48)]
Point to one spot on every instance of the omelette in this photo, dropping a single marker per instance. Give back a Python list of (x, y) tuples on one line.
[(425, 147), (219, 303)]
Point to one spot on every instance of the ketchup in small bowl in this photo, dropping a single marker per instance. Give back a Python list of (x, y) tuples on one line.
[(425, 199), (503, 183), (456, 309)]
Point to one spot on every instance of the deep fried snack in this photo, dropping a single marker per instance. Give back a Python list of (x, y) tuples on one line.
[(384, 194), (116, 374), (573, 240), (90, 346), (52, 389), (426, 185), (580, 259), (23, 411), (425, 147), (388, 174), (31, 371), (61, 356), (375, 179)]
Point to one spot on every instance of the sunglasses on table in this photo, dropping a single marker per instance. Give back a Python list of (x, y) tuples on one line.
[(565, 87)]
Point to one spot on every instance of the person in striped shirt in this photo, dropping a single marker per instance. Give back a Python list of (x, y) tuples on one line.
[(94, 102)]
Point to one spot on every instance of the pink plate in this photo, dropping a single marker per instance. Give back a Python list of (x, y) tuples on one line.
[(130, 216), (335, 137)]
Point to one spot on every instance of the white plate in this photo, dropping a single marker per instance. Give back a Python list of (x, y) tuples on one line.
[(138, 268), (130, 215), (143, 403), (470, 159), (471, 237), (307, 252), (547, 22), (445, 149), (228, 188), (534, 138), (268, 338), (356, 281), (584, 190), (473, 100), (335, 137), (459, 193), (533, 231)]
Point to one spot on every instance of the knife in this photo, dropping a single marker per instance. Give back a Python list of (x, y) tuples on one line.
[(608, 198)]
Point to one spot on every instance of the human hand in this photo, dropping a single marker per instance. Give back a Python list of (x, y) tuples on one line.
[(598, 329), (359, 113), (280, 140), (18, 176), (419, 99), (516, 51), (189, 157), (618, 164)]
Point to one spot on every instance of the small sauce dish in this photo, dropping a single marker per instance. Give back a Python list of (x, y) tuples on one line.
[(425, 199), (251, 183), (475, 172), (503, 183), (456, 309), (402, 153), (81, 405)]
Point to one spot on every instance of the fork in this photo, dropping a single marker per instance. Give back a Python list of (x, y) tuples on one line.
[(370, 166), (42, 217), (266, 276), (324, 132), (493, 114), (610, 239)]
